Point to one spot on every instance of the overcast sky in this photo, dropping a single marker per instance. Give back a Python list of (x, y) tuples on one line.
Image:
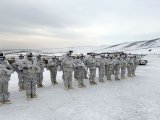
[(64, 23)]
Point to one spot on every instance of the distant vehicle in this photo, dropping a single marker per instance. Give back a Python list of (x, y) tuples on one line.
[(142, 62)]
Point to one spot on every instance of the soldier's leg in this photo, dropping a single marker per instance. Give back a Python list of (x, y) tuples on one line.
[(100, 75), (109, 72), (55, 76), (40, 79), (1, 92), (33, 89), (116, 75), (122, 73), (65, 75), (91, 77), (5, 92), (28, 88), (79, 79), (134, 72), (94, 77), (103, 74), (20, 83), (52, 76), (82, 77), (85, 74), (129, 71), (75, 73), (70, 79), (106, 71)]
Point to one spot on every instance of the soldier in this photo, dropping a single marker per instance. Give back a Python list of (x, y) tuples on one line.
[(67, 66), (101, 67), (129, 66), (116, 64), (41, 64), (92, 64), (108, 68), (135, 63), (52, 66), (5, 73), (123, 66), (76, 69), (30, 69), (81, 69), (19, 71), (133, 67)]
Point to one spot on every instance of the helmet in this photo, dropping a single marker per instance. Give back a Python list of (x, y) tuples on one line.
[(69, 52), (30, 55), (102, 55), (53, 57), (21, 56), (39, 56), (2, 57), (81, 55)]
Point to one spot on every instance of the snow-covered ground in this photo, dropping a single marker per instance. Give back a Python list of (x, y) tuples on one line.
[(130, 99)]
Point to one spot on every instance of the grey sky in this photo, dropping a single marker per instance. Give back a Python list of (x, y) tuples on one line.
[(63, 23)]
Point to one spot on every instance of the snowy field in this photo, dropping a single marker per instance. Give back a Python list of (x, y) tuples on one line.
[(130, 99)]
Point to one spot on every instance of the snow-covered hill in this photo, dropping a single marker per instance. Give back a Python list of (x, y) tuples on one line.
[(140, 47), (136, 47)]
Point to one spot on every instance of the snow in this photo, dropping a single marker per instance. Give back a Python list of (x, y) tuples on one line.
[(129, 47), (130, 99)]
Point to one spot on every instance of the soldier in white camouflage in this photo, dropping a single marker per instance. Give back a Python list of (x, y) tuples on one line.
[(52, 67), (68, 66), (135, 63), (133, 66), (116, 64), (108, 67), (129, 65), (123, 66), (92, 65), (81, 70), (5, 73), (30, 69), (41, 64), (101, 67), (19, 71)]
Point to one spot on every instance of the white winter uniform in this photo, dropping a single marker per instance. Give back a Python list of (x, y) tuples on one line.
[(67, 66), (5, 73), (81, 70), (30, 69), (19, 71), (41, 64), (52, 67), (101, 67), (116, 64)]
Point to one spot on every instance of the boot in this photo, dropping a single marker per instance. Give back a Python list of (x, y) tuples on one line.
[(35, 96), (7, 102), (83, 85), (117, 79), (80, 86), (66, 88), (55, 82), (103, 81), (28, 98), (70, 87), (95, 83), (91, 83), (1, 102)]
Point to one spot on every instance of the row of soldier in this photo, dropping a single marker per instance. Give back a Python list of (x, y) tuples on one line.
[(30, 70)]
